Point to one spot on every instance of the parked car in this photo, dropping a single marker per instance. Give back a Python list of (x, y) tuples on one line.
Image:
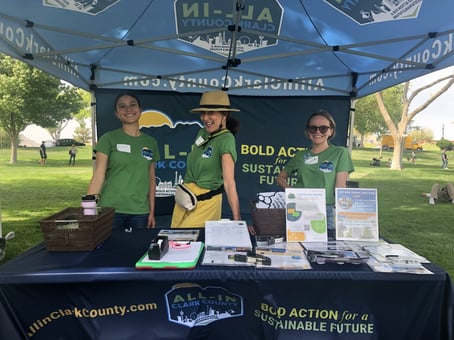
[(50, 143), (68, 142)]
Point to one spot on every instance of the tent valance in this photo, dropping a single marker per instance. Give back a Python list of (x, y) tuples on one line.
[(250, 47)]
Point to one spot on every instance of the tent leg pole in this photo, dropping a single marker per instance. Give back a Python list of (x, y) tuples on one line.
[(351, 127), (94, 129)]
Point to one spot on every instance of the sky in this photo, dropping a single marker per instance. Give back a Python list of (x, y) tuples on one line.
[(438, 117), (441, 112)]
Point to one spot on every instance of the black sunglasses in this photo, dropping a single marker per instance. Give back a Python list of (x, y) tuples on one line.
[(322, 129)]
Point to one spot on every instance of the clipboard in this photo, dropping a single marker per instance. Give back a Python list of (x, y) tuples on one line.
[(227, 235), (180, 257)]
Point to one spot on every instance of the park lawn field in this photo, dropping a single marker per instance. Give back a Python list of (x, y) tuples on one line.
[(30, 192)]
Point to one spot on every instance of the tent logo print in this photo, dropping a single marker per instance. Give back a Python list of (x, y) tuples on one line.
[(92, 7), (213, 19), (156, 118), (373, 11), (190, 305)]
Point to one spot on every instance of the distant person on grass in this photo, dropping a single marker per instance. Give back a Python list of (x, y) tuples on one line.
[(72, 154), (375, 161), (441, 194), (42, 153), (444, 159)]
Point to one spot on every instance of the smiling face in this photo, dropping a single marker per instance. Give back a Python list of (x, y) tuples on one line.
[(213, 121), (316, 130), (128, 109)]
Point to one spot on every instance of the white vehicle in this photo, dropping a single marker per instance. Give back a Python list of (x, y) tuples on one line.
[(49, 143)]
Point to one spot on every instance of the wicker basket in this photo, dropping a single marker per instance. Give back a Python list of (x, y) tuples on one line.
[(268, 221), (71, 230)]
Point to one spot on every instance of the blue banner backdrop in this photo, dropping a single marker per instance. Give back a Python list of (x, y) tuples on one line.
[(271, 131)]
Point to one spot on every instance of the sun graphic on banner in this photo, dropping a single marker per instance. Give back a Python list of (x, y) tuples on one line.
[(153, 118)]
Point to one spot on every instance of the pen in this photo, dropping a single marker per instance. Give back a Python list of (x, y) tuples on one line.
[(273, 250), (221, 248)]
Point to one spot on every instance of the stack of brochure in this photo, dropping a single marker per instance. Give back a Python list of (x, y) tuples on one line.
[(334, 252), (228, 243), (395, 258), (380, 256)]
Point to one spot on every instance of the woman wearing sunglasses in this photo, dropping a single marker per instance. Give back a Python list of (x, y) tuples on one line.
[(322, 165)]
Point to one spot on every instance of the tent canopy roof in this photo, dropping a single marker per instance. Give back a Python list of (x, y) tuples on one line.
[(250, 47)]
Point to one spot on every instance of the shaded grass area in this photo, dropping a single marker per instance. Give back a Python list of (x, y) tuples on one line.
[(31, 192)]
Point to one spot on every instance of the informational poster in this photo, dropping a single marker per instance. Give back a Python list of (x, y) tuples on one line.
[(306, 215), (356, 214)]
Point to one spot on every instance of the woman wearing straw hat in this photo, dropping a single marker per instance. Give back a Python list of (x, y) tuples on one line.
[(211, 164)]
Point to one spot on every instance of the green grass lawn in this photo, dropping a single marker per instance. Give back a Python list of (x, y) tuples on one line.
[(30, 192)]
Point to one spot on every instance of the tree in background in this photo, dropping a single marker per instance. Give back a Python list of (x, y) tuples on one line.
[(4, 139), (30, 96), (399, 129), (368, 119), (24, 94), (421, 134), (393, 105), (83, 132), (67, 103), (445, 144)]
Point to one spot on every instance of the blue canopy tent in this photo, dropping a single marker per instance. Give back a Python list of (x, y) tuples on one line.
[(279, 59), (252, 47)]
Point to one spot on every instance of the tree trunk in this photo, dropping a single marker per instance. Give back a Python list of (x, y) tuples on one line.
[(13, 135), (13, 155), (396, 163)]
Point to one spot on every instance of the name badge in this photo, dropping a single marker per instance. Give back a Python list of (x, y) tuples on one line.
[(199, 141), (147, 153), (311, 160), (124, 148)]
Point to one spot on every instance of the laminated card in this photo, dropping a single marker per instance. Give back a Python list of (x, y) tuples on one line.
[(356, 214), (306, 215)]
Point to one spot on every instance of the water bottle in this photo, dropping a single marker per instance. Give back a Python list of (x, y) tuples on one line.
[(89, 205)]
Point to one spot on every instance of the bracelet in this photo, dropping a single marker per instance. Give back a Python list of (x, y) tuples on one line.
[(97, 196)]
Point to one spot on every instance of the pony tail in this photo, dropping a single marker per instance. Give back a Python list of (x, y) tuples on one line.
[(232, 124)]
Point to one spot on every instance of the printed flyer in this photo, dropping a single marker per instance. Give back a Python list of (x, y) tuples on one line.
[(356, 214), (306, 215)]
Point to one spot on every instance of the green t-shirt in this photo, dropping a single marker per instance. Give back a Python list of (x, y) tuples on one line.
[(204, 162), (127, 182), (319, 170)]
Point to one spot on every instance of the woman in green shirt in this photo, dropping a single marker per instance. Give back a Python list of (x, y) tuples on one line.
[(323, 165), (124, 175), (211, 163)]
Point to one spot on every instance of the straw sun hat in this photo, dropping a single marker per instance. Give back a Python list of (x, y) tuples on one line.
[(214, 101)]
